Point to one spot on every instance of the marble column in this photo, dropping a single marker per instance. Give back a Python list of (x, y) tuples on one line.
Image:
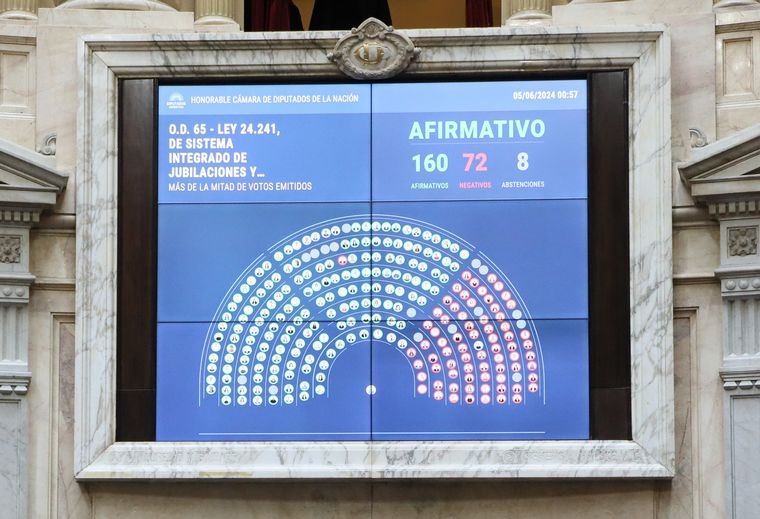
[(527, 11), (215, 14), (736, 3), (30, 184), (18, 9), (723, 176), (15, 377), (739, 273)]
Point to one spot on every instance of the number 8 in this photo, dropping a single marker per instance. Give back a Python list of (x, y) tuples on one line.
[(522, 161)]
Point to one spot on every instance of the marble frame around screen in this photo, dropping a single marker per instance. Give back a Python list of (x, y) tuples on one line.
[(642, 50)]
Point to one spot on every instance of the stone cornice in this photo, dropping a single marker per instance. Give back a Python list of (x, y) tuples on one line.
[(29, 183), (31, 165), (234, 51), (725, 175)]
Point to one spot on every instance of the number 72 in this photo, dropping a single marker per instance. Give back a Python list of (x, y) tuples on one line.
[(480, 158)]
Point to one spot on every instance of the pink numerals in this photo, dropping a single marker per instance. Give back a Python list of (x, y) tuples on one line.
[(478, 159)]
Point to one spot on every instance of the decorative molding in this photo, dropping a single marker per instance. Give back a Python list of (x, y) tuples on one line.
[(644, 51), (746, 286), (696, 278), (19, 215), (49, 144), (742, 241), (750, 207), (14, 384), (741, 379), (697, 138), (732, 385), (10, 248), (373, 51), (14, 294), (55, 284), (692, 216), (57, 221)]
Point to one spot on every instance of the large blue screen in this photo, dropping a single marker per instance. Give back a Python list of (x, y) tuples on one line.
[(373, 262)]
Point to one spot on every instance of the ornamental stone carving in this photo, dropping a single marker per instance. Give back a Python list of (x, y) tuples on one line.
[(697, 138), (373, 51), (749, 381), (49, 144), (10, 249), (741, 284), (742, 241), (17, 385)]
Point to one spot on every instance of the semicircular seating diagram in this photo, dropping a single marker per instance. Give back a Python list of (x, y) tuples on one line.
[(337, 284)]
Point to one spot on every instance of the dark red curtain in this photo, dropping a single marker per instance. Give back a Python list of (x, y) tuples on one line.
[(273, 15), (479, 13)]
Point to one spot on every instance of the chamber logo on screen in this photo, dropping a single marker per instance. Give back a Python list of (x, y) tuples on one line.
[(176, 101), (389, 281)]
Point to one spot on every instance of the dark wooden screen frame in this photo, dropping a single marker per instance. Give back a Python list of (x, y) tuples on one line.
[(609, 258), (137, 260), (609, 253)]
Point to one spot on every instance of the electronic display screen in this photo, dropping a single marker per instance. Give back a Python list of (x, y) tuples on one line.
[(403, 261)]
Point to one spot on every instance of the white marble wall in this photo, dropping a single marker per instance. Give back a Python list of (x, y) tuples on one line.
[(18, 87), (13, 448), (738, 76), (15, 371), (745, 423)]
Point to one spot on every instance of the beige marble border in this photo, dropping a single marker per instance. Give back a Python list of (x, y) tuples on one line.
[(643, 50)]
